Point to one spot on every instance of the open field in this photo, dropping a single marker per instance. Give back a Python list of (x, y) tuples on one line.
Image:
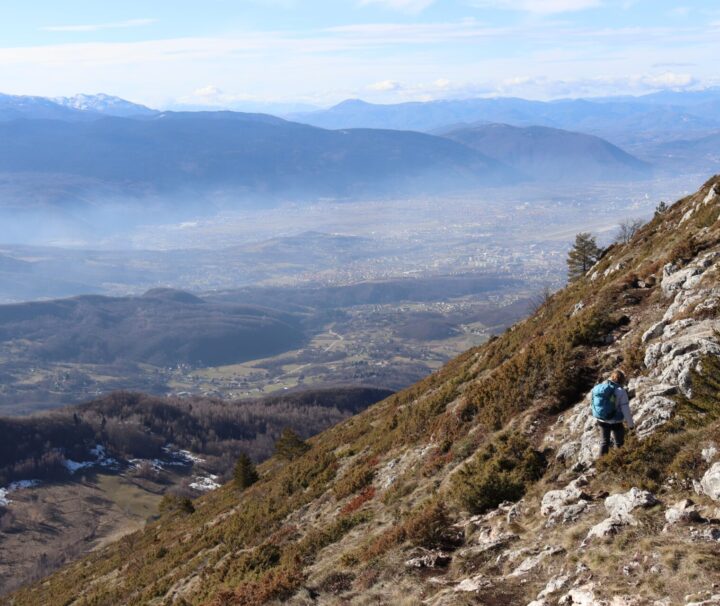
[(50, 524)]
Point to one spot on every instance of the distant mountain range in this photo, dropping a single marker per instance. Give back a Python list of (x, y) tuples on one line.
[(54, 151), (620, 119), (549, 154), (251, 153)]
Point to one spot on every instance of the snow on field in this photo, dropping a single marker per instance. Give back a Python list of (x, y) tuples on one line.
[(4, 492), (101, 459), (182, 457), (175, 457), (205, 483)]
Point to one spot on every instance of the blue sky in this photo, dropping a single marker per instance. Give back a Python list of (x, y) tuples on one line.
[(233, 52)]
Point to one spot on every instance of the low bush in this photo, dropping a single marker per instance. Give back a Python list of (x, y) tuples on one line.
[(354, 504), (502, 471), (354, 479), (171, 503), (276, 584)]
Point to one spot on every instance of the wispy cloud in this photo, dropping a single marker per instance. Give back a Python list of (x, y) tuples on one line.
[(96, 27), (385, 86), (408, 6), (538, 6)]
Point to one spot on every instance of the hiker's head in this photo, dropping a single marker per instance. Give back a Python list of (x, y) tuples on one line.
[(618, 376)]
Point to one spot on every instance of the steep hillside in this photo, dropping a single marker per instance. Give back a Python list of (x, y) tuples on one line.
[(549, 154), (479, 485)]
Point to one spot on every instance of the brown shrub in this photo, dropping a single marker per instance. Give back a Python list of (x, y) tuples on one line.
[(366, 495), (276, 584)]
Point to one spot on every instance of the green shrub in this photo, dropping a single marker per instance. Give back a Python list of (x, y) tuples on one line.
[(290, 446), (502, 471), (171, 503), (354, 480)]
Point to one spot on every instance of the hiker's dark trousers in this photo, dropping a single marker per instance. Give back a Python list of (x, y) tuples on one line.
[(618, 434)]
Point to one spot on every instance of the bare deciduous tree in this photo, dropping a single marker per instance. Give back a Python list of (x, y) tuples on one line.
[(627, 229)]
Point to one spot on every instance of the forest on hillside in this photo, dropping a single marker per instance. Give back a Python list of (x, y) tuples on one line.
[(131, 425)]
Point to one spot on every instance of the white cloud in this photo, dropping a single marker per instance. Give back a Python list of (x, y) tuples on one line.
[(208, 92), (385, 86), (538, 6), (95, 27), (408, 6)]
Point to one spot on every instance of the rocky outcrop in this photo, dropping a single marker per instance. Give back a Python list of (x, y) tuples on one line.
[(710, 482), (683, 512), (675, 349), (429, 559), (568, 502), (620, 506), (533, 561)]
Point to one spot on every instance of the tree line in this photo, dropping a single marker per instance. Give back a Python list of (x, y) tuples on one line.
[(133, 425)]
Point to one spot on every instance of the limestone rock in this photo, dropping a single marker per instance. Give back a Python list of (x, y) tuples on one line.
[(473, 584), (654, 331), (432, 559), (709, 453), (609, 527), (581, 596), (619, 505), (683, 512), (535, 560), (707, 534), (710, 482), (554, 585), (568, 514), (556, 500)]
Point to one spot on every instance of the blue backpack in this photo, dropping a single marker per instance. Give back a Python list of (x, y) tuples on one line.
[(603, 401)]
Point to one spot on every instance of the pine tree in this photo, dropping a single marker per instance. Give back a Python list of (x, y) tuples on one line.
[(661, 208), (583, 255), (244, 474), (290, 446)]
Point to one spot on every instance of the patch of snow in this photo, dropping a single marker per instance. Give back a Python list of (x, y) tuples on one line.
[(205, 483), (12, 487), (73, 466), (182, 457)]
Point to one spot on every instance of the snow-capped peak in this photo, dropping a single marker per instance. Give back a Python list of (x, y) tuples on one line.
[(104, 104)]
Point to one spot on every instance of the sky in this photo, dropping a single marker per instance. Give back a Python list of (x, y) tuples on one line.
[(243, 53)]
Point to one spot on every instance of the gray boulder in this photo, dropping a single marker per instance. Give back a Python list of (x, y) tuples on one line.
[(710, 482)]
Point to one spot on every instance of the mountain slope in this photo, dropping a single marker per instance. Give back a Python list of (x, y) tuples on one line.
[(163, 327), (247, 152), (411, 502), (550, 153), (14, 107)]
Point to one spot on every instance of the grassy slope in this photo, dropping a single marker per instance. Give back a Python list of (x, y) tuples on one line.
[(393, 475)]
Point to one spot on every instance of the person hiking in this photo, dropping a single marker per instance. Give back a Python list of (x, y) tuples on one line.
[(611, 407)]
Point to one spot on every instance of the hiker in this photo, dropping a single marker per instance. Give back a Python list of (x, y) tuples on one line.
[(611, 406)]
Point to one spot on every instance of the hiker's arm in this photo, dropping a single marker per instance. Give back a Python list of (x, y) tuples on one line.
[(625, 408)]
